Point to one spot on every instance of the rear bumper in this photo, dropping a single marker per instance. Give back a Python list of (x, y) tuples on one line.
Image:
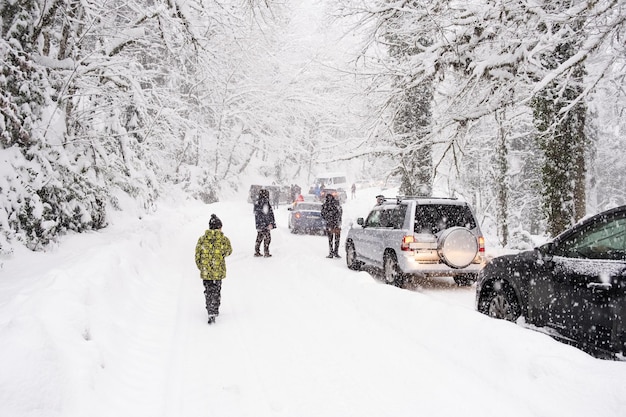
[(409, 265)]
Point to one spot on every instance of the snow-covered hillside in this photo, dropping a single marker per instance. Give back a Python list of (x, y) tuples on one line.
[(112, 323)]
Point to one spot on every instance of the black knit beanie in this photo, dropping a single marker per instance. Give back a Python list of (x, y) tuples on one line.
[(215, 222)]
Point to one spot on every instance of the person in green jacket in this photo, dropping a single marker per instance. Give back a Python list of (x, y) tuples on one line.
[(211, 249)]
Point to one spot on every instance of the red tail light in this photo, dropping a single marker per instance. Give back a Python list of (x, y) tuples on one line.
[(406, 241), (481, 245), (297, 215)]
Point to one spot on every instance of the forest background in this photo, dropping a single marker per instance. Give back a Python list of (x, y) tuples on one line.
[(515, 106)]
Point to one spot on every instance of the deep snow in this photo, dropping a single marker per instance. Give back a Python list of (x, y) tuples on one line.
[(112, 323)]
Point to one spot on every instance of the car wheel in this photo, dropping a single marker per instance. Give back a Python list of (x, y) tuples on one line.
[(351, 257), (501, 303), (391, 272), (465, 280)]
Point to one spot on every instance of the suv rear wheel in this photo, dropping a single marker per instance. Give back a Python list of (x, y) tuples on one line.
[(391, 272)]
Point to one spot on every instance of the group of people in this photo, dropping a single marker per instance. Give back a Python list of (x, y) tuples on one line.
[(213, 246), (264, 221)]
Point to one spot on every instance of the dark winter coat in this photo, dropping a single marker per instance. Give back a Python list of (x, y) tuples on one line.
[(263, 214), (211, 249), (331, 212)]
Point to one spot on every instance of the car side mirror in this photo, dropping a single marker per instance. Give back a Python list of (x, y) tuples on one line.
[(360, 221), (290, 208), (546, 252)]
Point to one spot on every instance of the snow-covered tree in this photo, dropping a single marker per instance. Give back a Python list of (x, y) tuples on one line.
[(108, 102), (44, 189), (100, 102), (486, 56)]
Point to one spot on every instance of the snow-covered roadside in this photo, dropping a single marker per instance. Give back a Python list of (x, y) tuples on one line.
[(75, 320), (113, 324)]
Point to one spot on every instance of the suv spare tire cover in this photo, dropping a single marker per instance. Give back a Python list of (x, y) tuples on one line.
[(457, 247)]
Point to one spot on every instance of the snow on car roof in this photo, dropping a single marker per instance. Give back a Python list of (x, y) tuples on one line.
[(426, 200)]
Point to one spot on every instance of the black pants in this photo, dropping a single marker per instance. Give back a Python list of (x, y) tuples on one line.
[(265, 237), (333, 234), (213, 295)]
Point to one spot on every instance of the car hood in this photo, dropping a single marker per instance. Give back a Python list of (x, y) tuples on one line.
[(516, 258), (521, 263)]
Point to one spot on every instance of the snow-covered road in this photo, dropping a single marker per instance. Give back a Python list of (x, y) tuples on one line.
[(113, 324)]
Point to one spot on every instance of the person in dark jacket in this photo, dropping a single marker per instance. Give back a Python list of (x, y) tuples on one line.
[(211, 249), (331, 212), (264, 219), (297, 190)]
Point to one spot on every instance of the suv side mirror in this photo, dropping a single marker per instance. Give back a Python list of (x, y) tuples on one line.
[(360, 221)]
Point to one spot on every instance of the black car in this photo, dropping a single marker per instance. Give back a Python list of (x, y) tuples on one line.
[(306, 217), (575, 284)]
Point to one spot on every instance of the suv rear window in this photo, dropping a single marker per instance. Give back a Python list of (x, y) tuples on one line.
[(434, 218)]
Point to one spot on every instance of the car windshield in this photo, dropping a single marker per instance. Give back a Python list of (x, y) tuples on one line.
[(309, 207), (433, 218)]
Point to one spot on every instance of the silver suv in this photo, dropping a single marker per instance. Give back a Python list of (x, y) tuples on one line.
[(418, 235)]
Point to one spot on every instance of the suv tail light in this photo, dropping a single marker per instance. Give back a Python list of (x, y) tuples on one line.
[(406, 241), (481, 245)]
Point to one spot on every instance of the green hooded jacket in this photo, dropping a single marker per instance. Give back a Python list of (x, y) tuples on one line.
[(211, 249)]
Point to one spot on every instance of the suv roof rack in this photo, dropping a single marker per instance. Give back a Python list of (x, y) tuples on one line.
[(415, 197)]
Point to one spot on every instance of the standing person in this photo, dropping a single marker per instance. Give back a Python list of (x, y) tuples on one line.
[(211, 249), (353, 189), (297, 190), (264, 220), (317, 190), (331, 212)]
